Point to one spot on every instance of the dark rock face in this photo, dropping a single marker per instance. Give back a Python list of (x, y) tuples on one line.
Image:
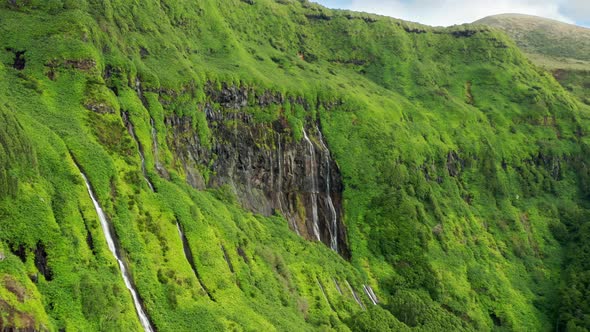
[(464, 33), (19, 251), (267, 169), (19, 60), (41, 262)]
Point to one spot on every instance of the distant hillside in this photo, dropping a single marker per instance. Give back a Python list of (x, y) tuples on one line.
[(562, 48), (549, 41)]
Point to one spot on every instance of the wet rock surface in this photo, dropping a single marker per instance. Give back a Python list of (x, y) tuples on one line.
[(262, 163)]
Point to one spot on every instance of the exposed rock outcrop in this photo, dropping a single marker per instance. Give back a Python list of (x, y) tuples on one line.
[(268, 170)]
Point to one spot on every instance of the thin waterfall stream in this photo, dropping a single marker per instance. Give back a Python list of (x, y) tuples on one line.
[(155, 149), (314, 187), (334, 217), (370, 294), (104, 223), (356, 297), (280, 195), (375, 299), (154, 140)]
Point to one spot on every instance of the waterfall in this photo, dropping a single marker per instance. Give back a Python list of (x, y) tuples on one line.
[(138, 89), (143, 170), (156, 151), (323, 291), (314, 187), (154, 141), (280, 195), (356, 298), (369, 291), (131, 131), (144, 320), (372, 295), (334, 217), (280, 179)]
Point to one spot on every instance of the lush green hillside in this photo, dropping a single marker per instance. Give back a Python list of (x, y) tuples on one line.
[(563, 49), (461, 171), (560, 43)]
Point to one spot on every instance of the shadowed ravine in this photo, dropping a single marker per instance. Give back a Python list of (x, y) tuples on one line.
[(131, 130), (189, 257)]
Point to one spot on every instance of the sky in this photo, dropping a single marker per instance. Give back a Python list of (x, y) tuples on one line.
[(449, 12)]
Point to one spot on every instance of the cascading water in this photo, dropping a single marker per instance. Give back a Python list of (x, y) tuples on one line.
[(155, 141), (369, 291), (356, 298), (143, 318), (156, 151), (373, 294), (280, 195), (314, 187), (333, 215), (145, 176)]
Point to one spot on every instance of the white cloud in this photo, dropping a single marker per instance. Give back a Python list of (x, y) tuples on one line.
[(449, 12), (579, 10)]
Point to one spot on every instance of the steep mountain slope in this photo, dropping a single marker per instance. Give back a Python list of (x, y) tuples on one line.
[(438, 168), (561, 42), (562, 48)]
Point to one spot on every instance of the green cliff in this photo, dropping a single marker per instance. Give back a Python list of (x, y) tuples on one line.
[(450, 171)]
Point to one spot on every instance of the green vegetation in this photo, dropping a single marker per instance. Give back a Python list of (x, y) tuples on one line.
[(577, 82), (559, 43), (561, 48), (464, 166)]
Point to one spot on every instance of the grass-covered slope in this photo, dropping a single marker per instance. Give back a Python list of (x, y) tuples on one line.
[(463, 167), (559, 43), (563, 49)]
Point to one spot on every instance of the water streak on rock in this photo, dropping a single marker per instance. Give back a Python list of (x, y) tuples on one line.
[(333, 227), (370, 294), (355, 296), (313, 190)]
